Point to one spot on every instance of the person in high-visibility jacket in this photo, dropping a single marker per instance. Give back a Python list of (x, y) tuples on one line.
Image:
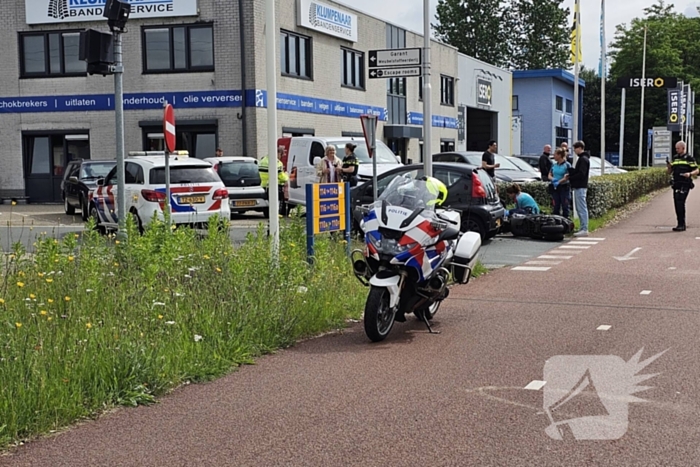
[(282, 178)]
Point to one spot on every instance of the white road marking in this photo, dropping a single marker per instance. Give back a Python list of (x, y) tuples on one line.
[(578, 247), (528, 268), (672, 269), (557, 252), (554, 257), (591, 239), (578, 242), (544, 263), (535, 385), (645, 292), (604, 327)]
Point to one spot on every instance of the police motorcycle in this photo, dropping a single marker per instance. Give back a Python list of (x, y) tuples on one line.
[(414, 252)]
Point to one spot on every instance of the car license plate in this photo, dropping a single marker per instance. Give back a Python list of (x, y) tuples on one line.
[(244, 203), (192, 199)]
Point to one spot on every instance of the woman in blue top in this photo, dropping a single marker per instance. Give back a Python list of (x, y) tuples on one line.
[(560, 187), (524, 203)]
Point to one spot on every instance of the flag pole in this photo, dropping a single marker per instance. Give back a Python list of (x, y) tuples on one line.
[(641, 114), (603, 72), (577, 53)]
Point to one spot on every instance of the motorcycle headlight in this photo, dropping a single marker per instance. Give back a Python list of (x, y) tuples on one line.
[(392, 247)]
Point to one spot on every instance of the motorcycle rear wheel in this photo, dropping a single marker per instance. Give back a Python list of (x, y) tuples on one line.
[(379, 318)]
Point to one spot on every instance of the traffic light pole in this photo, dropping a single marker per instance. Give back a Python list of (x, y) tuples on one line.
[(119, 116)]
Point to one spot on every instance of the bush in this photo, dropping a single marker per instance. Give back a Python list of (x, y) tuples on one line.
[(604, 192), (95, 323)]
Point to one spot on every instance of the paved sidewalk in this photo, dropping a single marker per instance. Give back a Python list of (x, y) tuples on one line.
[(468, 396)]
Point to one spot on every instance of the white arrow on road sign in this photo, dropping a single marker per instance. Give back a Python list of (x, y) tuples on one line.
[(394, 72), (395, 57)]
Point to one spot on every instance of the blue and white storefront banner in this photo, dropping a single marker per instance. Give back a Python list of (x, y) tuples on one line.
[(206, 99), (140, 101)]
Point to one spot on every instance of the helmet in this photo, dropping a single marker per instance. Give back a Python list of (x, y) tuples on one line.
[(437, 188)]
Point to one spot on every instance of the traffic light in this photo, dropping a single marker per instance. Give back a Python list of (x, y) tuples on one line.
[(117, 13), (96, 49)]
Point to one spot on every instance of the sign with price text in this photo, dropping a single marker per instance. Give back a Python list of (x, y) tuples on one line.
[(327, 210)]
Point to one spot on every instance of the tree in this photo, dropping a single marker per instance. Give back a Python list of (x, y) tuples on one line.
[(475, 27), (516, 34), (540, 37)]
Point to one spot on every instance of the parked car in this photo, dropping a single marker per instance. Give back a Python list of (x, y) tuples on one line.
[(609, 168), (242, 180), (522, 165), (507, 172), (196, 191), (481, 211), (79, 178), (532, 159)]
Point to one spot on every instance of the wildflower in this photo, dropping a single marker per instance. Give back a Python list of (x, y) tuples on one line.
[(49, 280), (302, 289), (70, 258), (20, 284), (49, 318), (292, 245), (218, 269), (43, 313), (20, 274), (50, 300), (158, 304), (32, 296), (117, 242), (19, 325), (166, 290), (116, 265), (141, 334), (88, 325), (77, 236), (170, 322), (187, 276), (197, 338), (55, 242), (41, 274), (56, 260), (206, 256), (67, 298), (2, 301), (160, 316)]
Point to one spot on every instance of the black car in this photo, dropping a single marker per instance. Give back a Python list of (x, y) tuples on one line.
[(479, 214), (79, 178), (508, 172)]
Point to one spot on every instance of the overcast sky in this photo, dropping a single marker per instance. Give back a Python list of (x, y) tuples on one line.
[(409, 14)]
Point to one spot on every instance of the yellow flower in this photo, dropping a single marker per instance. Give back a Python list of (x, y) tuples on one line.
[(166, 290), (19, 325), (49, 318), (43, 313), (20, 274), (41, 274), (2, 301), (14, 203), (56, 260), (206, 256), (116, 242), (70, 258), (32, 296), (160, 316), (50, 300), (49, 280), (77, 236), (116, 265), (20, 284), (218, 269), (55, 242), (67, 298), (88, 325), (292, 245)]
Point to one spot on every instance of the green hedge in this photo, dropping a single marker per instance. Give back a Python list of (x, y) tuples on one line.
[(604, 192)]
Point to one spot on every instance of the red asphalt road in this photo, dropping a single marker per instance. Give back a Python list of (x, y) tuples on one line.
[(456, 398)]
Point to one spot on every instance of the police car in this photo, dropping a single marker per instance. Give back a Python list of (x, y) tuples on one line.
[(196, 191)]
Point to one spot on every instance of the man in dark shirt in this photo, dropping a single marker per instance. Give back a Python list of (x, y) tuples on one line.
[(488, 159), (683, 167), (545, 163), (578, 177)]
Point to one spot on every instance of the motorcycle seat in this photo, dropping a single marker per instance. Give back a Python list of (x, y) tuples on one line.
[(450, 233)]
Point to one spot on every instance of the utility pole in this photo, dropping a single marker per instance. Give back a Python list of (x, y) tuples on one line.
[(427, 97), (641, 114), (271, 70), (119, 117)]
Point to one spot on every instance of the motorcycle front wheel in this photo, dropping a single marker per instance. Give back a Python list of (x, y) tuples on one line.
[(379, 318)]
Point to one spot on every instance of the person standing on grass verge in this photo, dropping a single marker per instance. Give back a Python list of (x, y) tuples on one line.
[(560, 187), (578, 177), (683, 167), (488, 160)]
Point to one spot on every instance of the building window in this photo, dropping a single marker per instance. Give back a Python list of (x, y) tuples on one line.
[(560, 103), (353, 66), (199, 140), (562, 136), (447, 90), (516, 103), (50, 54), (295, 55), (569, 106), (169, 49)]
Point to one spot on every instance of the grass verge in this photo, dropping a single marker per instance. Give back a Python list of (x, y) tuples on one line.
[(90, 325)]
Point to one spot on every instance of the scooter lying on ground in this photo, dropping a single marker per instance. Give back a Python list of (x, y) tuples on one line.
[(413, 253), (538, 226)]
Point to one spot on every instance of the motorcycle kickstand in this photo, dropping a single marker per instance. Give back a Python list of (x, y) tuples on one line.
[(430, 330)]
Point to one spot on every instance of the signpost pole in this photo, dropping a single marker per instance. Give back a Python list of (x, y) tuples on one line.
[(271, 70), (641, 114), (119, 117), (427, 98), (348, 218), (622, 128), (369, 129), (169, 136), (310, 223)]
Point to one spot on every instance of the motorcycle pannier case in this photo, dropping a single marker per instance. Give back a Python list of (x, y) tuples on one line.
[(465, 256)]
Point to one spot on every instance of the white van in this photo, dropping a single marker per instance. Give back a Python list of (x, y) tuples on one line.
[(302, 153)]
